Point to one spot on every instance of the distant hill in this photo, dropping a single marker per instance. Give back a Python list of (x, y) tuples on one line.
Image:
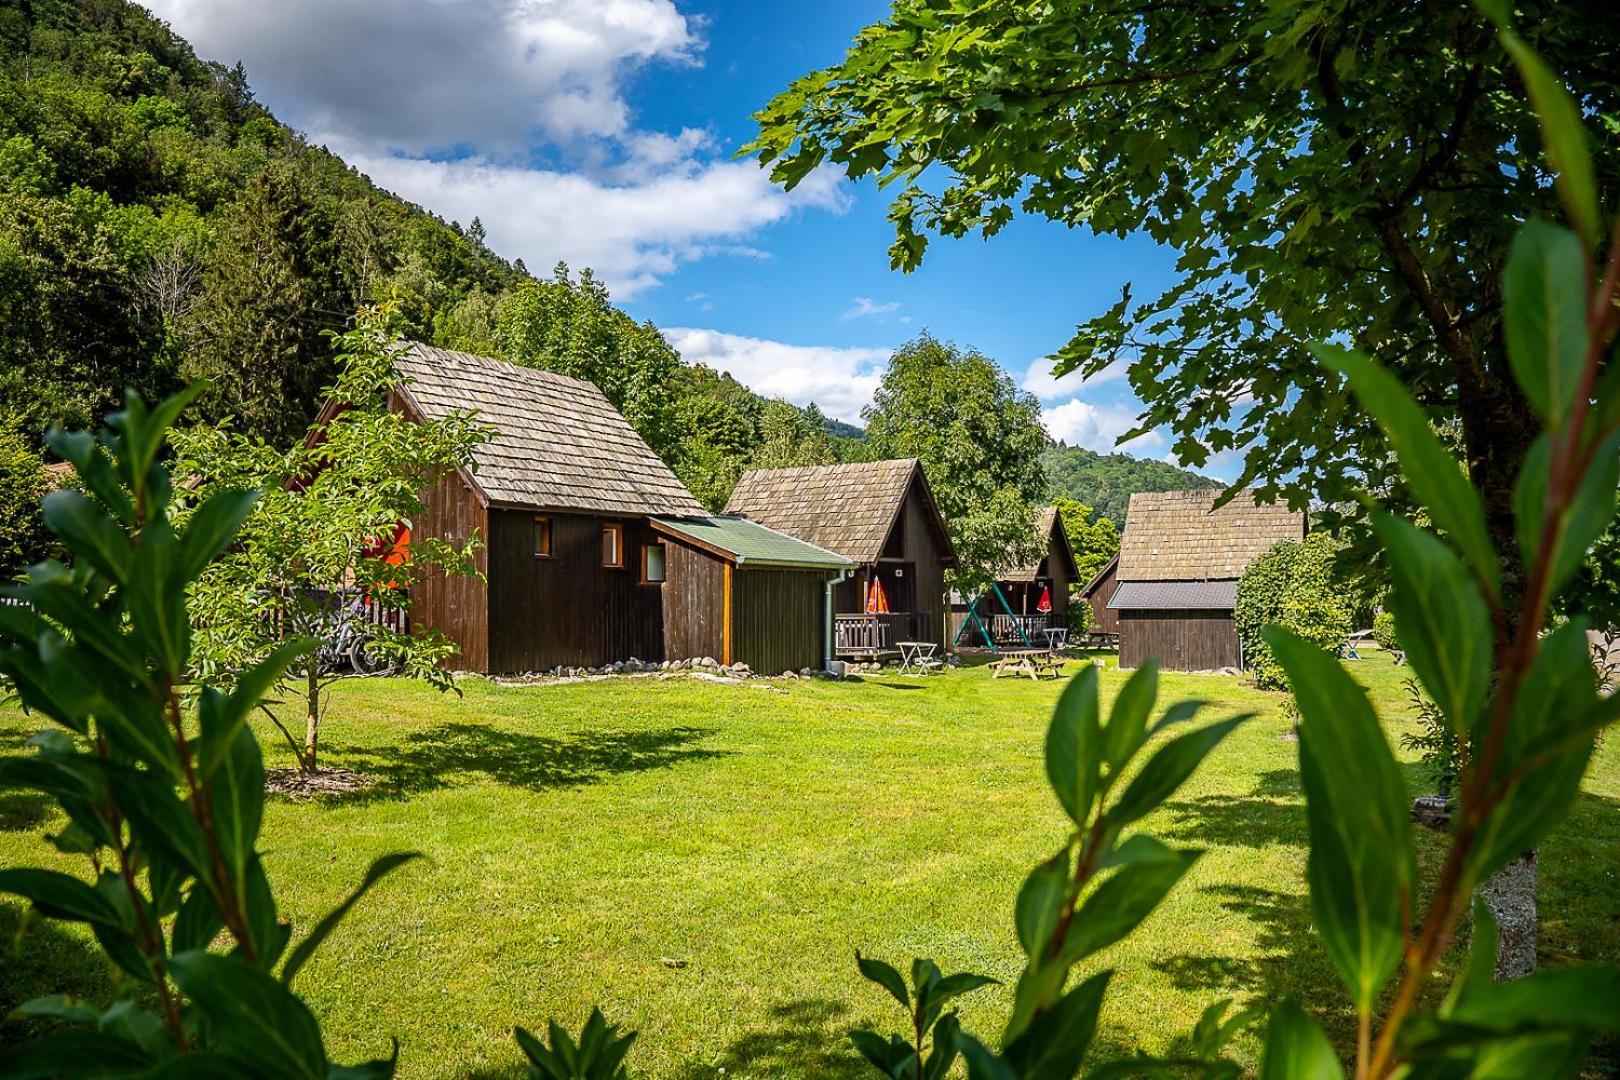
[(841, 430), (1105, 482)]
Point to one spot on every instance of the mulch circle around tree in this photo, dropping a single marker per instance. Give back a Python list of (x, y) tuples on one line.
[(298, 784)]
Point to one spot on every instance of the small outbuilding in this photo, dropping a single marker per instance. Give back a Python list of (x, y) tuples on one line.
[(882, 517), (743, 593), (1180, 559), (1098, 592)]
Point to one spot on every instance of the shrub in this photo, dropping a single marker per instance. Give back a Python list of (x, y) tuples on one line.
[(22, 483), (1294, 586), (1383, 629)]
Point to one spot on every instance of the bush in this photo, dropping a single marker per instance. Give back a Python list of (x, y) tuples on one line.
[(1291, 585), (22, 485), (1383, 630)]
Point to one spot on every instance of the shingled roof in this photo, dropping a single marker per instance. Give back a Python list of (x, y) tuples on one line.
[(558, 444), (1047, 522), (1181, 536), (849, 509)]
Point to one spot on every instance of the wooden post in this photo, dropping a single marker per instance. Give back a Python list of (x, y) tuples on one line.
[(725, 621)]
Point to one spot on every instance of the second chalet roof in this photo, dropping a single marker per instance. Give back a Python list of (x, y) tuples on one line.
[(1046, 521), (1181, 536), (849, 509), (558, 443), (748, 543)]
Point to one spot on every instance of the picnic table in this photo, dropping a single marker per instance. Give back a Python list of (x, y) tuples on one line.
[(1057, 637), (1036, 663), (918, 657)]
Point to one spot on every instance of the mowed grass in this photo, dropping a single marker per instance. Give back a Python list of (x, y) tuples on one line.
[(703, 860)]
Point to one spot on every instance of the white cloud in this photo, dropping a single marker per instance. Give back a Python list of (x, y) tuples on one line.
[(416, 75), (1039, 380), (631, 234), (1096, 427), (865, 307), (841, 380)]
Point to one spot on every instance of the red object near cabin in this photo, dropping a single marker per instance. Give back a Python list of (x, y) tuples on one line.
[(1044, 604), (877, 601)]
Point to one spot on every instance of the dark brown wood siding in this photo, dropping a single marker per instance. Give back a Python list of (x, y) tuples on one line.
[(568, 609), (693, 602), (1178, 640), (1104, 617), (776, 619), (455, 605)]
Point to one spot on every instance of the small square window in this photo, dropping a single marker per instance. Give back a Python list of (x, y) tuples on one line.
[(542, 537), (652, 564), (613, 545)]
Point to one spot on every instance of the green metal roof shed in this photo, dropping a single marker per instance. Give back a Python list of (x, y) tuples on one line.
[(748, 543)]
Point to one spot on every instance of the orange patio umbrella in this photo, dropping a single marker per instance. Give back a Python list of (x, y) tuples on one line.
[(877, 603)]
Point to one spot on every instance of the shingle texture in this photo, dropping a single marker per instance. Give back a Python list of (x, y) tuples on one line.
[(1179, 536), (1174, 596), (752, 544), (848, 509), (558, 444)]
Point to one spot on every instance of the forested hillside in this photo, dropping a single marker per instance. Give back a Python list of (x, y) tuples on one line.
[(1105, 482), (158, 225)]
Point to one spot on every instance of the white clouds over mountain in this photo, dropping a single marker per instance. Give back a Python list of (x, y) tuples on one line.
[(840, 381)]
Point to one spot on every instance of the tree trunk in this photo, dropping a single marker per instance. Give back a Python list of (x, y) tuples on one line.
[(1498, 428), (312, 714)]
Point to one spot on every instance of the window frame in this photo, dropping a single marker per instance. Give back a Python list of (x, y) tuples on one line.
[(616, 530), (548, 551), (663, 562)]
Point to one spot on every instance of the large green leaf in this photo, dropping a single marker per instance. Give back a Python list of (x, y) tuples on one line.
[(1434, 476), (210, 529), (1564, 137), (237, 793), (1053, 1046), (1589, 513), (1122, 901), (1544, 317), (1444, 622), (1361, 867), (1041, 903), (221, 716), (1547, 724), (251, 1017), (1167, 770), (89, 533), (886, 976), (1297, 1048), (59, 896), (379, 869), (1127, 721), (1074, 746)]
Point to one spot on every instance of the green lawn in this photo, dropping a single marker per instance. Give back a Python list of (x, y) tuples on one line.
[(704, 859)]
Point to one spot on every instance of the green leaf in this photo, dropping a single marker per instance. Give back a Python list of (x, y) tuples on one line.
[(1054, 1045), (379, 869), (1041, 903), (1479, 974), (251, 1017), (1544, 317), (1577, 996), (1297, 1048), (1444, 622), (237, 793), (88, 532), (1434, 476), (1589, 513), (1074, 746), (1127, 722), (198, 922), (1548, 721), (58, 896), (944, 1053), (1361, 867), (57, 1007), (1121, 902), (885, 976), (211, 528), (1167, 770), (75, 1054), (892, 1056), (221, 717), (981, 1063), (1564, 137)]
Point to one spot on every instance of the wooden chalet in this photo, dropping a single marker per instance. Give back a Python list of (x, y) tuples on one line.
[(1011, 611), (584, 552), (881, 516), (1180, 559), (1098, 592)]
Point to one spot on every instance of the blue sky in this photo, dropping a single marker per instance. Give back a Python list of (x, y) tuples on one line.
[(601, 132)]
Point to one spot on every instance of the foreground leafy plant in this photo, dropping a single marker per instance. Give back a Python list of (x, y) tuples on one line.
[(925, 1003), (598, 1055), (164, 801)]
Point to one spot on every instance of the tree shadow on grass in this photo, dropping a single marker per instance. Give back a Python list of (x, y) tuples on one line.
[(449, 754), (1273, 813), (801, 1038), (44, 958)]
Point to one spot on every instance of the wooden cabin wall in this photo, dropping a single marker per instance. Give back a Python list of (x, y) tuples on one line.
[(1179, 640), (693, 602), (776, 619), (1056, 570), (568, 609), (913, 541), (456, 606), (1105, 618)]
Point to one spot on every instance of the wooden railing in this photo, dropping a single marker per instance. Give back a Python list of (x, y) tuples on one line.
[(862, 634), (1004, 629)]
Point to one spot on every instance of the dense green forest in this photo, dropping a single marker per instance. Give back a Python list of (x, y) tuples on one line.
[(1105, 482), (158, 225)]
